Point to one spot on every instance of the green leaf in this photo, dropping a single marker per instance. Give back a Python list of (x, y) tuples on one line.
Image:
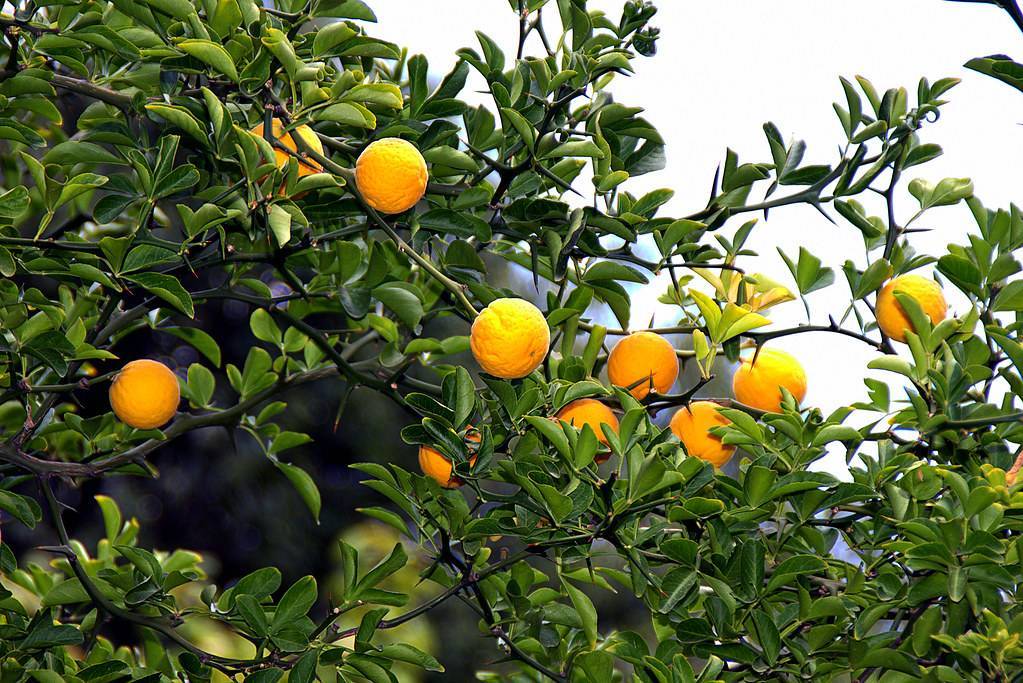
[(736, 320), (831, 433), (807, 271), (402, 301), (167, 288), (551, 431), (253, 613), (52, 348), (267, 675), (46, 634), (22, 508), (79, 152), (767, 635), (403, 652), (295, 603), (259, 584), (212, 54), (1000, 67), (757, 483), (946, 193), (465, 397), (181, 178), (382, 94), (179, 9), (584, 608), (1010, 298), (280, 224), (68, 592), (523, 127), (331, 35), (182, 118), (922, 154), (305, 486), (201, 384), (264, 328), (609, 270), (395, 561), (112, 518), (793, 567), (14, 202), (389, 518), (450, 158), (201, 340), (304, 670), (596, 666), (576, 148), (677, 584), (348, 114), (345, 9)]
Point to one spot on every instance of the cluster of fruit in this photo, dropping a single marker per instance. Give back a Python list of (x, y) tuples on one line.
[(510, 339)]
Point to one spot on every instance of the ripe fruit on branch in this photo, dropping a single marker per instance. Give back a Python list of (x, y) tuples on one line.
[(391, 175), (759, 380), (891, 317), (510, 338), (643, 357), (588, 411), (309, 139), (145, 394), (438, 468), (692, 424)]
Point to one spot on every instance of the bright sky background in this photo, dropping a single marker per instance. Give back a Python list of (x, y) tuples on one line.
[(724, 67)]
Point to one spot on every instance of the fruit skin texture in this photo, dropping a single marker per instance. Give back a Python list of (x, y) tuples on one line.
[(281, 157), (588, 411), (438, 468), (640, 356), (145, 394), (692, 424), (758, 384), (391, 175), (510, 338), (892, 319)]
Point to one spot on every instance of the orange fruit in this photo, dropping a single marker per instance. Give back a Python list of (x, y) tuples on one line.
[(391, 175), (438, 468), (588, 411), (692, 425), (145, 394), (759, 383), (646, 358), (281, 158), (510, 338), (892, 319)]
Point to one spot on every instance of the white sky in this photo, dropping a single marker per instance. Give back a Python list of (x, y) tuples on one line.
[(724, 67)]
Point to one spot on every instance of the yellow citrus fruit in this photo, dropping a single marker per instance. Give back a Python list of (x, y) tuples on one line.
[(281, 157), (145, 394), (643, 356), (692, 426), (438, 468), (759, 383), (892, 320), (510, 338), (391, 175), (588, 411)]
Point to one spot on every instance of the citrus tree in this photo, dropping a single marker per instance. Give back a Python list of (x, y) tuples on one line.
[(163, 156)]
